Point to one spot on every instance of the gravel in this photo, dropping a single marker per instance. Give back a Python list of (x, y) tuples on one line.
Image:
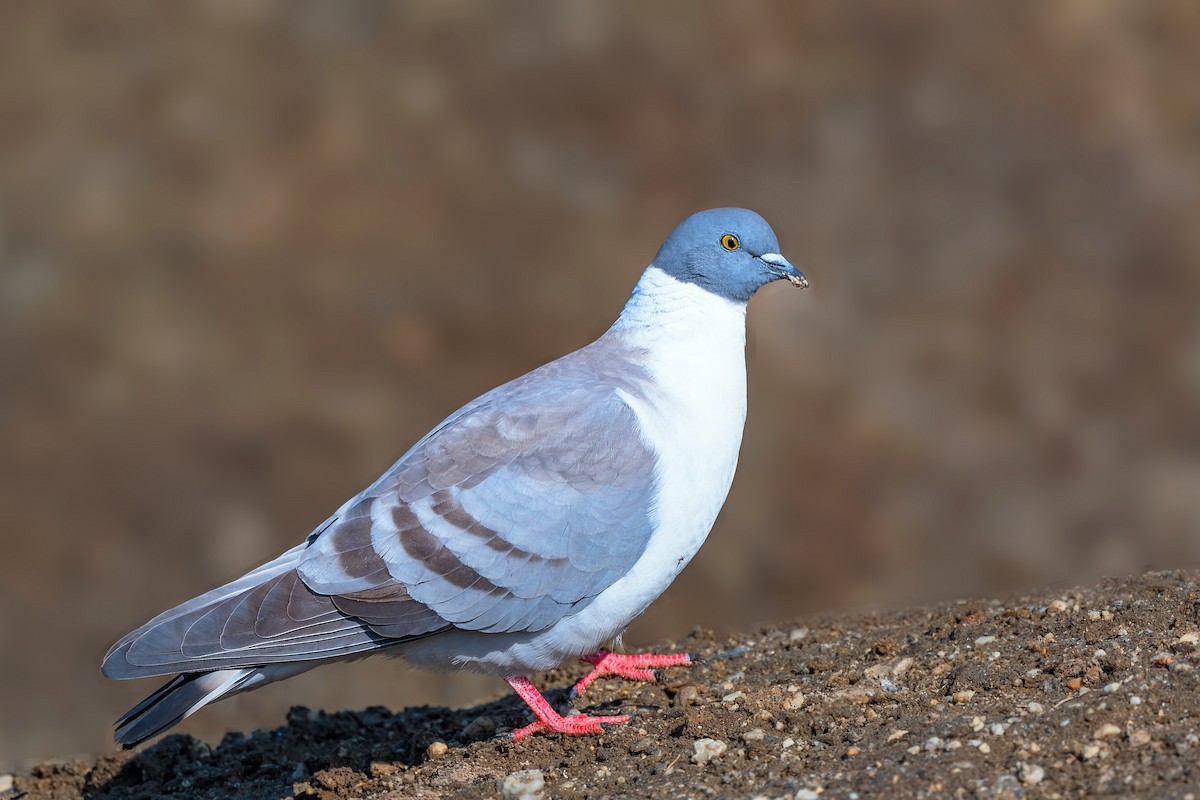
[(528, 784), (812, 718)]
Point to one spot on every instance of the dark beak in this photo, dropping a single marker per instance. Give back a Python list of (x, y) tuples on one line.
[(778, 265)]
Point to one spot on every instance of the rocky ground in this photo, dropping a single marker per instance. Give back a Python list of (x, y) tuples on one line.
[(1092, 691)]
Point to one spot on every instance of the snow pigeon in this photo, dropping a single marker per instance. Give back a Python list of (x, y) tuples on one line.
[(525, 531)]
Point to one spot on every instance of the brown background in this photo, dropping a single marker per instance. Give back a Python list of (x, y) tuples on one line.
[(249, 252)]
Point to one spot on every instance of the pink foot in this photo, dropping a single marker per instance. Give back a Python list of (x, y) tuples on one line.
[(635, 667), (551, 720)]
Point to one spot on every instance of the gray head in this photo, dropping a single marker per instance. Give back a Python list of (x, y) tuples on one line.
[(731, 252)]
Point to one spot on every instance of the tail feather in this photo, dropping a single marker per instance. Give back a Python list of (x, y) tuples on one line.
[(181, 697)]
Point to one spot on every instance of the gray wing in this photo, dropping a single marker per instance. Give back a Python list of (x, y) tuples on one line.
[(515, 512), (269, 616), (518, 513)]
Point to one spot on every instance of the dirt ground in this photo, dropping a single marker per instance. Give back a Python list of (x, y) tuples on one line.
[(1091, 691)]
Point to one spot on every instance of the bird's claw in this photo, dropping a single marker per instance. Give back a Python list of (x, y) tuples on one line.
[(577, 725), (634, 667)]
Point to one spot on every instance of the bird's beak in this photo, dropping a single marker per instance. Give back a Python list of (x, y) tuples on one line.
[(778, 265)]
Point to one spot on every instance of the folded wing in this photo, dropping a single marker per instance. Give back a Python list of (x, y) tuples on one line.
[(514, 513)]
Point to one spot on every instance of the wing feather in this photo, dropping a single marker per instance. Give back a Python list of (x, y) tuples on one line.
[(514, 513)]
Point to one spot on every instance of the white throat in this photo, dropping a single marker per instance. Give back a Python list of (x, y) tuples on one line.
[(695, 347), (659, 299)]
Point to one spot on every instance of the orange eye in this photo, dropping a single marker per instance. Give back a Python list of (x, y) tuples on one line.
[(730, 242)]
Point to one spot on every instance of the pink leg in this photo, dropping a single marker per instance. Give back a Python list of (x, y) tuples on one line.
[(635, 667), (549, 719)]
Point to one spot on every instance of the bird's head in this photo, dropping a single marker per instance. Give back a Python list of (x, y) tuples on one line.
[(731, 252)]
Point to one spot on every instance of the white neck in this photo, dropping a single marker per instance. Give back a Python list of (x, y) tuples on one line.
[(693, 343), (659, 299)]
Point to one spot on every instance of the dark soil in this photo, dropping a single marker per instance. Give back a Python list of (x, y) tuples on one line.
[(1093, 691)]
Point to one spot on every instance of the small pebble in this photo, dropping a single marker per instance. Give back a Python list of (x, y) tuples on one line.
[(963, 696), (647, 745), (1139, 738), (705, 750), (1035, 708), (482, 727), (1112, 687), (1090, 751), (733, 697), (859, 696), (1106, 731), (754, 736), (6, 783), (527, 784), (982, 640), (1134, 700), (1031, 774), (732, 652), (687, 696), (806, 794), (798, 634), (1074, 683), (896, 734), (437, 749), (851, 752), (795, 701), (984, 747), (997, 729)]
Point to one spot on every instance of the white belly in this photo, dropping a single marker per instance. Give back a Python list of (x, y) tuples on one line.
[(693, 423)]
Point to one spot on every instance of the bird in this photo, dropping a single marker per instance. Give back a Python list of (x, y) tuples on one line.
[(525, 531)]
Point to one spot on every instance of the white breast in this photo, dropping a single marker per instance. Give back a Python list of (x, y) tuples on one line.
[(694, 423), (693, 419)]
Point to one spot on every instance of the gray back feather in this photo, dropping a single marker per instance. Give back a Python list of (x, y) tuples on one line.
[(515, 512)]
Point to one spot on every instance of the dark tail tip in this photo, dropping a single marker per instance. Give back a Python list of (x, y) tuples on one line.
[(172, 703)]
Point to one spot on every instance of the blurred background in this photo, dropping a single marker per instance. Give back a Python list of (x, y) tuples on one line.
[(251, 251)]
